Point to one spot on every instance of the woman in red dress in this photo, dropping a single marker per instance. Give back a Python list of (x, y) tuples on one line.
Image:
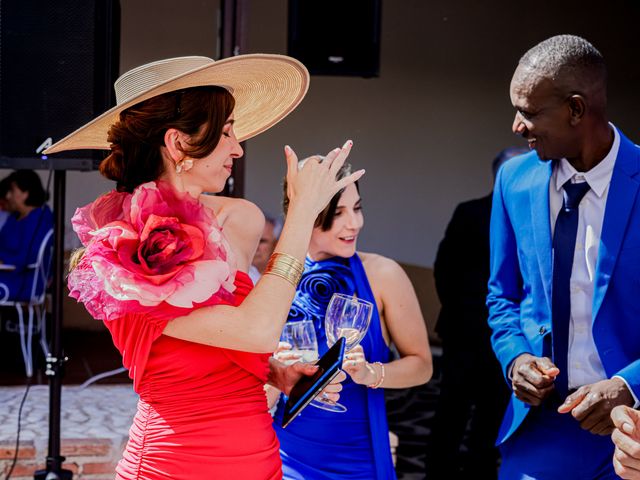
[(164, 264)]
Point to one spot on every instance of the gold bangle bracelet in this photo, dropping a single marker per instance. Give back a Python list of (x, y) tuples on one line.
[(285, 266), (285, 271), (288, 278), (286, 259), (379, 382), (284, 256)]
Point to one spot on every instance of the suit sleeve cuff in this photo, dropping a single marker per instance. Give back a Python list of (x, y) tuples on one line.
[(510, 370), (635, 399)]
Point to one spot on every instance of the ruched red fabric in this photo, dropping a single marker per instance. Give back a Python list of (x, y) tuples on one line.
[(202, 412)]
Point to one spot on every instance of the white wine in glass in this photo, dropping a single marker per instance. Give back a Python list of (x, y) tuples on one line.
[(351, 336), (301, 336), (347, 316)]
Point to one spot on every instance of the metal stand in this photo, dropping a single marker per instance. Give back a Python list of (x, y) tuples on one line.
[(56, 358), (233, 42)]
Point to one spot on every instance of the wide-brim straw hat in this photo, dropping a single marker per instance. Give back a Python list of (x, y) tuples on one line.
[(266, 89)]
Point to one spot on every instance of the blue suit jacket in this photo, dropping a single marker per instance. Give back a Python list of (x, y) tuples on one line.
[(519, 297)]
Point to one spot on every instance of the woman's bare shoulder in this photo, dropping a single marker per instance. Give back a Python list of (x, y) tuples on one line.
[(242, 223), (232, 212), (246, 216), (384, 273), (380, 266)]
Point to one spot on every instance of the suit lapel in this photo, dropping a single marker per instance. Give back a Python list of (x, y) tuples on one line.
[(620, 201), (539, 202)]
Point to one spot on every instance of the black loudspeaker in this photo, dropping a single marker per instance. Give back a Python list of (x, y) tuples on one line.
[(58, 62), (336, 37)]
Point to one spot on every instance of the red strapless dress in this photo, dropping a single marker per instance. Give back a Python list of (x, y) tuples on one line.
[(202, 412)]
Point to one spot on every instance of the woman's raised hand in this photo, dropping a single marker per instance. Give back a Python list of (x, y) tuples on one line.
[(312, 186)]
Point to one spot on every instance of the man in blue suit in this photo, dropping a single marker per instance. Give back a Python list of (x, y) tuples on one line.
[(564, 292)]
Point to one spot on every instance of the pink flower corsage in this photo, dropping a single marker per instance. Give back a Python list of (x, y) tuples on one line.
[(142, 249)]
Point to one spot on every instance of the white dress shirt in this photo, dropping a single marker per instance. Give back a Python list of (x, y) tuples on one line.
[(583, 362), (254, 274)]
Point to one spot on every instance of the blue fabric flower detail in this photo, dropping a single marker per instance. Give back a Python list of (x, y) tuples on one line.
[(319, 282)]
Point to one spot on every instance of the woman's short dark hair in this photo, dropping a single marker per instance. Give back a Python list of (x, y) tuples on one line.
[(325, 219), (138, 135), (5, 186), (29, 181)]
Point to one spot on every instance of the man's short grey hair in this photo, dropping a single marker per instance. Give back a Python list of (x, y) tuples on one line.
[(276, 222), (566, 54), (269, 218)]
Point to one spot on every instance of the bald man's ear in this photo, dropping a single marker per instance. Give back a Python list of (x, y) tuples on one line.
[(577, 108)]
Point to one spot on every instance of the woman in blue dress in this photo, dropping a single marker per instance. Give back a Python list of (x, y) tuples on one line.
[(323, 445), (29, 221)]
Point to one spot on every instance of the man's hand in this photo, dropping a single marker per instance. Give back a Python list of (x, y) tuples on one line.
[(626, 438), (532, 378), (591, 404)]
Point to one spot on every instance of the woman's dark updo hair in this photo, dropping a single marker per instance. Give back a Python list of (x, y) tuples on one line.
[(136, 138), (325, 218)]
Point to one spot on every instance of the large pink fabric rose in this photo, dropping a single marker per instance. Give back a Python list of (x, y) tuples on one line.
[(142, 249)]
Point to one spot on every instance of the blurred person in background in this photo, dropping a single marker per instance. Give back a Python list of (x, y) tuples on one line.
[(5, 183), (468, 403), (30, 218), (267, 244)]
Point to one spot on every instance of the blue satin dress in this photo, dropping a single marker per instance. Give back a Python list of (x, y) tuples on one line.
[(320, 445)]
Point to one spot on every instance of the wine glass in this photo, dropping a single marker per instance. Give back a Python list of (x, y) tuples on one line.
[(347, 316), (301, 335)]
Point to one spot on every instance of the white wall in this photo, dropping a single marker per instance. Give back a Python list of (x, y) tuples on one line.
[(427, 128)]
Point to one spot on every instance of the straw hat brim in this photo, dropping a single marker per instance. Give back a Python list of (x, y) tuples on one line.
[(266, 89)]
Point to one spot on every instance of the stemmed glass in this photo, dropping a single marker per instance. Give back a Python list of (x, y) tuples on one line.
[(301, 335), (349, 317)]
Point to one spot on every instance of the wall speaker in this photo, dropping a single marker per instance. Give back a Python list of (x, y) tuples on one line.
[(336, 37), (58, 62)]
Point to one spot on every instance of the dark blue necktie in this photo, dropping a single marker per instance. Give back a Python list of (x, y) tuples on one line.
[(564, 245)]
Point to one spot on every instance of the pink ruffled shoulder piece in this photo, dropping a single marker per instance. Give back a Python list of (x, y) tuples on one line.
[(154, 247)]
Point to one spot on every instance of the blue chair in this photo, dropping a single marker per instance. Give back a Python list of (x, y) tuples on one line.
[(39, 273)]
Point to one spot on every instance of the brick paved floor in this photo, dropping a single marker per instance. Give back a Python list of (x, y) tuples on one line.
[(103, 412), (94, 425)]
